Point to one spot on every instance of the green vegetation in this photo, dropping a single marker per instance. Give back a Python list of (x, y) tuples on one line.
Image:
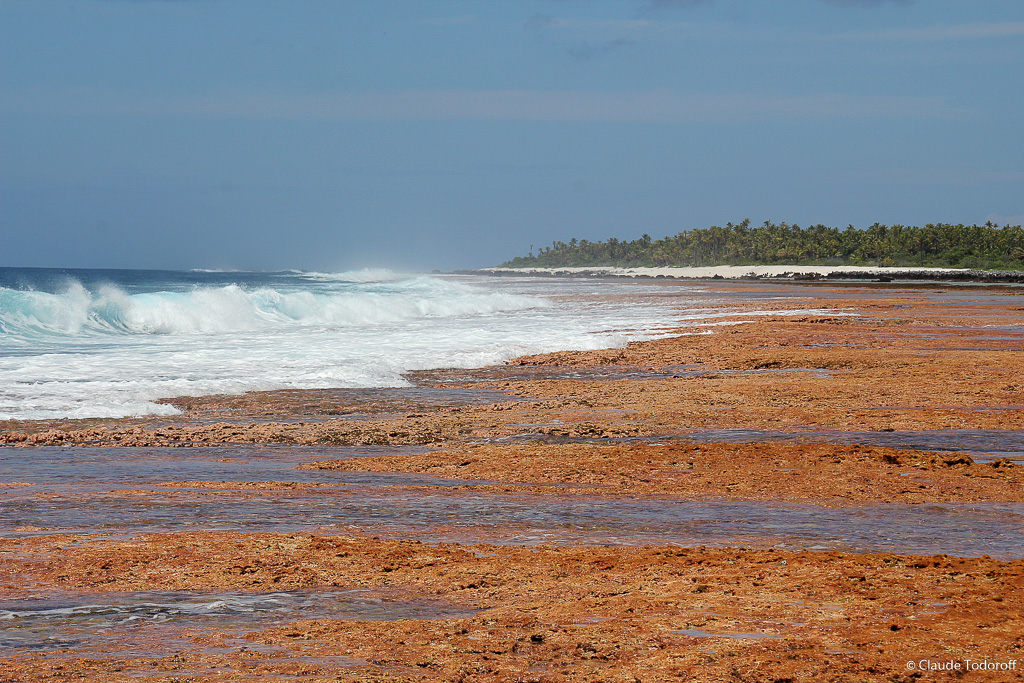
[(985, 247)]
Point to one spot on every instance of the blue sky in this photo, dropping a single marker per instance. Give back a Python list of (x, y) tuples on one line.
[(442, 134)]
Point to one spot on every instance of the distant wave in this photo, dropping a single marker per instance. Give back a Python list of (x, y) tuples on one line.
[(202, 310), (362, 275)]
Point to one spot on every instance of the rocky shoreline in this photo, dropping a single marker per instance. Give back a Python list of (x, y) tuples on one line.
[(792, 272), (748, 416)]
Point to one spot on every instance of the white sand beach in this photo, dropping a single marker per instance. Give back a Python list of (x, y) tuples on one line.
[(730, 272)]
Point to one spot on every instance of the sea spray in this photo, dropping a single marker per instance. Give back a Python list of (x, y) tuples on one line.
[(110, 343), (231, 308)]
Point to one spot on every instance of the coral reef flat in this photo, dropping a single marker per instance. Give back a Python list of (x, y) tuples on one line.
[(833, 496)]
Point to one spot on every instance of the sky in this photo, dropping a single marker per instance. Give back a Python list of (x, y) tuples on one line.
[(444, 134)]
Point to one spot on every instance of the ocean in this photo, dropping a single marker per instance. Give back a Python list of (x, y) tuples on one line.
[(110, 343)]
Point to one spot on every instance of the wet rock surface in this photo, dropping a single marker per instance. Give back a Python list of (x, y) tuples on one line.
[(533, 509), (580, 613), (818, 473)]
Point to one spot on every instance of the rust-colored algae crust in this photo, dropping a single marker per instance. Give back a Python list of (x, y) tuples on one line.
[(817, 473), (565, 613), (414, 430), (600, 423)]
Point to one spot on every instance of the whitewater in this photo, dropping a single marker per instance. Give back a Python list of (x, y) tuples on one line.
[(111, 343), (89, 343)]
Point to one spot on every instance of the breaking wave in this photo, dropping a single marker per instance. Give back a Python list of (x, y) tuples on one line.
[(112, 343), (232, 308)]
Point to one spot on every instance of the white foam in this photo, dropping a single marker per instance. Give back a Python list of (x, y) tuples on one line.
[(108, 353), (232, 308), (362, 275)]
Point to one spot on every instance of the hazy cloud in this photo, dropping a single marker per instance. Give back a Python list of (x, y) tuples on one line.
[(547, 21), (461, 20), (589, 39), (647, 106), (655, 5), (940, 176), (1006, 220), (587, 50), (954, 32), (868, 3), (539, 21)]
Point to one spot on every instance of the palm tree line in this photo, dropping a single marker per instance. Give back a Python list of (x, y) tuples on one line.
[(988, 247)]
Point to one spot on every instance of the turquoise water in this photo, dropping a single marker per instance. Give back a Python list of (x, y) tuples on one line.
[(110, 343)]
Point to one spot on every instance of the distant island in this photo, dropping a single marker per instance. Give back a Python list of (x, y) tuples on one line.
[(941, 245)]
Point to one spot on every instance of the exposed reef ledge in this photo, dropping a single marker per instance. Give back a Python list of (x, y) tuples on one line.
[(790, 272)]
